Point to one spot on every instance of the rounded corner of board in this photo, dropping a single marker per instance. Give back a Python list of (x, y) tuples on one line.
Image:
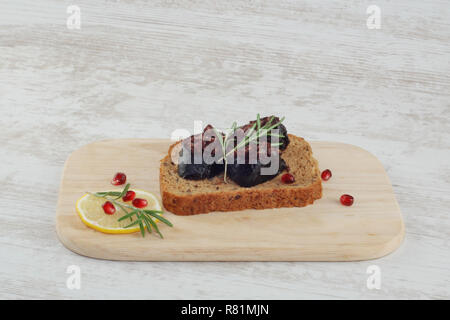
[(386, 248)]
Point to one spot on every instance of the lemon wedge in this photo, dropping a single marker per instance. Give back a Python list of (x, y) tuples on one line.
[(89, 208)]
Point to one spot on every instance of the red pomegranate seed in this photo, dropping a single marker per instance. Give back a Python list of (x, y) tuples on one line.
[(346, 200), (119, 178), (109, 208), (139, 203), (326, 175), (287, 178), (130, 195)]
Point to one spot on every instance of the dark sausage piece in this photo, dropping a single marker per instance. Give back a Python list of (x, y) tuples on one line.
[(250, 174), (190, 170)]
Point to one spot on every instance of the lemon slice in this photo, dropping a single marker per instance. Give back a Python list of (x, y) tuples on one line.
[(89, 208)]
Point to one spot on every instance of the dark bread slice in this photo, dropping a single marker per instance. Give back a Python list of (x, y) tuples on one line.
[(187, 197)]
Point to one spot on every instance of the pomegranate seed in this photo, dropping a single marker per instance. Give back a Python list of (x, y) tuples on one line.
[(139, 203), (326, 175), (287, 178), (119, 178), (346, 200), (109, 208), (130, 195)]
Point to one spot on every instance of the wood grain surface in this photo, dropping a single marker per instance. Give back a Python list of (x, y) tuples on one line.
[(140, 69), (325, 231)]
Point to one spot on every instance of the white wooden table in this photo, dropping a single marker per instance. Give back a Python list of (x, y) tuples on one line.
[(138, 69)]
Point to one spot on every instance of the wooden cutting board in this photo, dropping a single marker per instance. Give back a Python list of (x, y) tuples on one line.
[(325, 231)]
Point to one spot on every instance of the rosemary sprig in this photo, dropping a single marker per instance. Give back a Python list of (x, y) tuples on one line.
[(224, 140), (144, 217), (254, 133)]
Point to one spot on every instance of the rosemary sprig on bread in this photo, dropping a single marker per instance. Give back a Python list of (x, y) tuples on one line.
[(255, 133)]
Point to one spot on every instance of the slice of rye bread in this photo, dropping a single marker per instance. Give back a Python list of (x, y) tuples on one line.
[(187, 197)]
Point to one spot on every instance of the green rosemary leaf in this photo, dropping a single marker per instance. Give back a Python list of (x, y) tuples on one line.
[(269, 122), (154, 211), (243, 143), (275, 125), (147, 223), (129, 215), (124, 191), (141, 226), (247, 138), (111, 194), (107, 194), (250, 132), (275, 135), (258, 121), (133, 223), (155, 227), (159, 217), (120, 206)]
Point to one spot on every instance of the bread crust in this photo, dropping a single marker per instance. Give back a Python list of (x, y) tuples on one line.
[(240, 199)]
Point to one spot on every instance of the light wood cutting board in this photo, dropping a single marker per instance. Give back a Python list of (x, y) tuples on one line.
[(325, 231)]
